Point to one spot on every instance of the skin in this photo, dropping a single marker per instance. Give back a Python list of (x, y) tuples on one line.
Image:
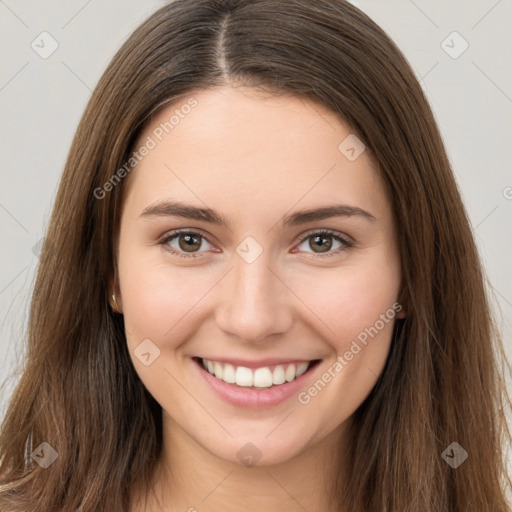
[(254, 158)]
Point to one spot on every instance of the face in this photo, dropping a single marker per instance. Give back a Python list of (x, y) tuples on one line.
[(255, 236)]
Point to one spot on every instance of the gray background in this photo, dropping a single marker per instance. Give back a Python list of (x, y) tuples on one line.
[(42, 99)]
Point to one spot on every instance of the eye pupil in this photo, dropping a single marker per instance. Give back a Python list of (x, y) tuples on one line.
[(323, 248), (191, 242)]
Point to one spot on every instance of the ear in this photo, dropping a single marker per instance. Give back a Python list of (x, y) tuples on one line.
[(402, 313), (402, 301), (114, 296)]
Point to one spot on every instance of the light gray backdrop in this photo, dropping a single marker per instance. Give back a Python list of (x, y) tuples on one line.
[(53, 53)]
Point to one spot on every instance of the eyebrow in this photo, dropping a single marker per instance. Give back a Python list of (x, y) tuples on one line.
[(177, 209)]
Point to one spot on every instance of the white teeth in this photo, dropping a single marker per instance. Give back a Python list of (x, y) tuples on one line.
[(263, 378), (260, 377), (217, 368), (290, 373), (243, 376), (229, 374), (301, 368), (278, 375)]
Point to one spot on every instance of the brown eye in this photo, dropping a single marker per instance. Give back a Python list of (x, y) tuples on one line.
[(324, 243), (185, 243), (189, 243)]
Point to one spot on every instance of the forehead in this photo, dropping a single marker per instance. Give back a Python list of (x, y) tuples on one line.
[(242, 147)]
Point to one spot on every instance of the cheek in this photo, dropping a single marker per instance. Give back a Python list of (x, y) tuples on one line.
[(359, 307), (157, 298), (350, 299)]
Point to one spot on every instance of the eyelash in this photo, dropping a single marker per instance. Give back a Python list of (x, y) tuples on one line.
[(346, 243)]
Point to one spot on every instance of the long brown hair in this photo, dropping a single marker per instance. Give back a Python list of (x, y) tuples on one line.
[(442, 383)]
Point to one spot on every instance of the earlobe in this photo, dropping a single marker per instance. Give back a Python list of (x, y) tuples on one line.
[(115, 300), (401, 304), (401, 314), (400, 311), (113, 303)]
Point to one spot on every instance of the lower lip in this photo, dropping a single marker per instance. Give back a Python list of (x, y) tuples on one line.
[(254, 398)]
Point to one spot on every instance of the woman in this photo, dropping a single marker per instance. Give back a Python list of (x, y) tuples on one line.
[(259, 287)]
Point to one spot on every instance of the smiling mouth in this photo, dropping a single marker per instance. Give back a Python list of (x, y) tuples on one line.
[(265, 377)]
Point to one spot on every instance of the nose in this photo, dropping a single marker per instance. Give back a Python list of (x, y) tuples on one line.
[(254, 303)]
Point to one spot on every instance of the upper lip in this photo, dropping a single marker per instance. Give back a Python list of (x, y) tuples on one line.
[(260, 363)]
